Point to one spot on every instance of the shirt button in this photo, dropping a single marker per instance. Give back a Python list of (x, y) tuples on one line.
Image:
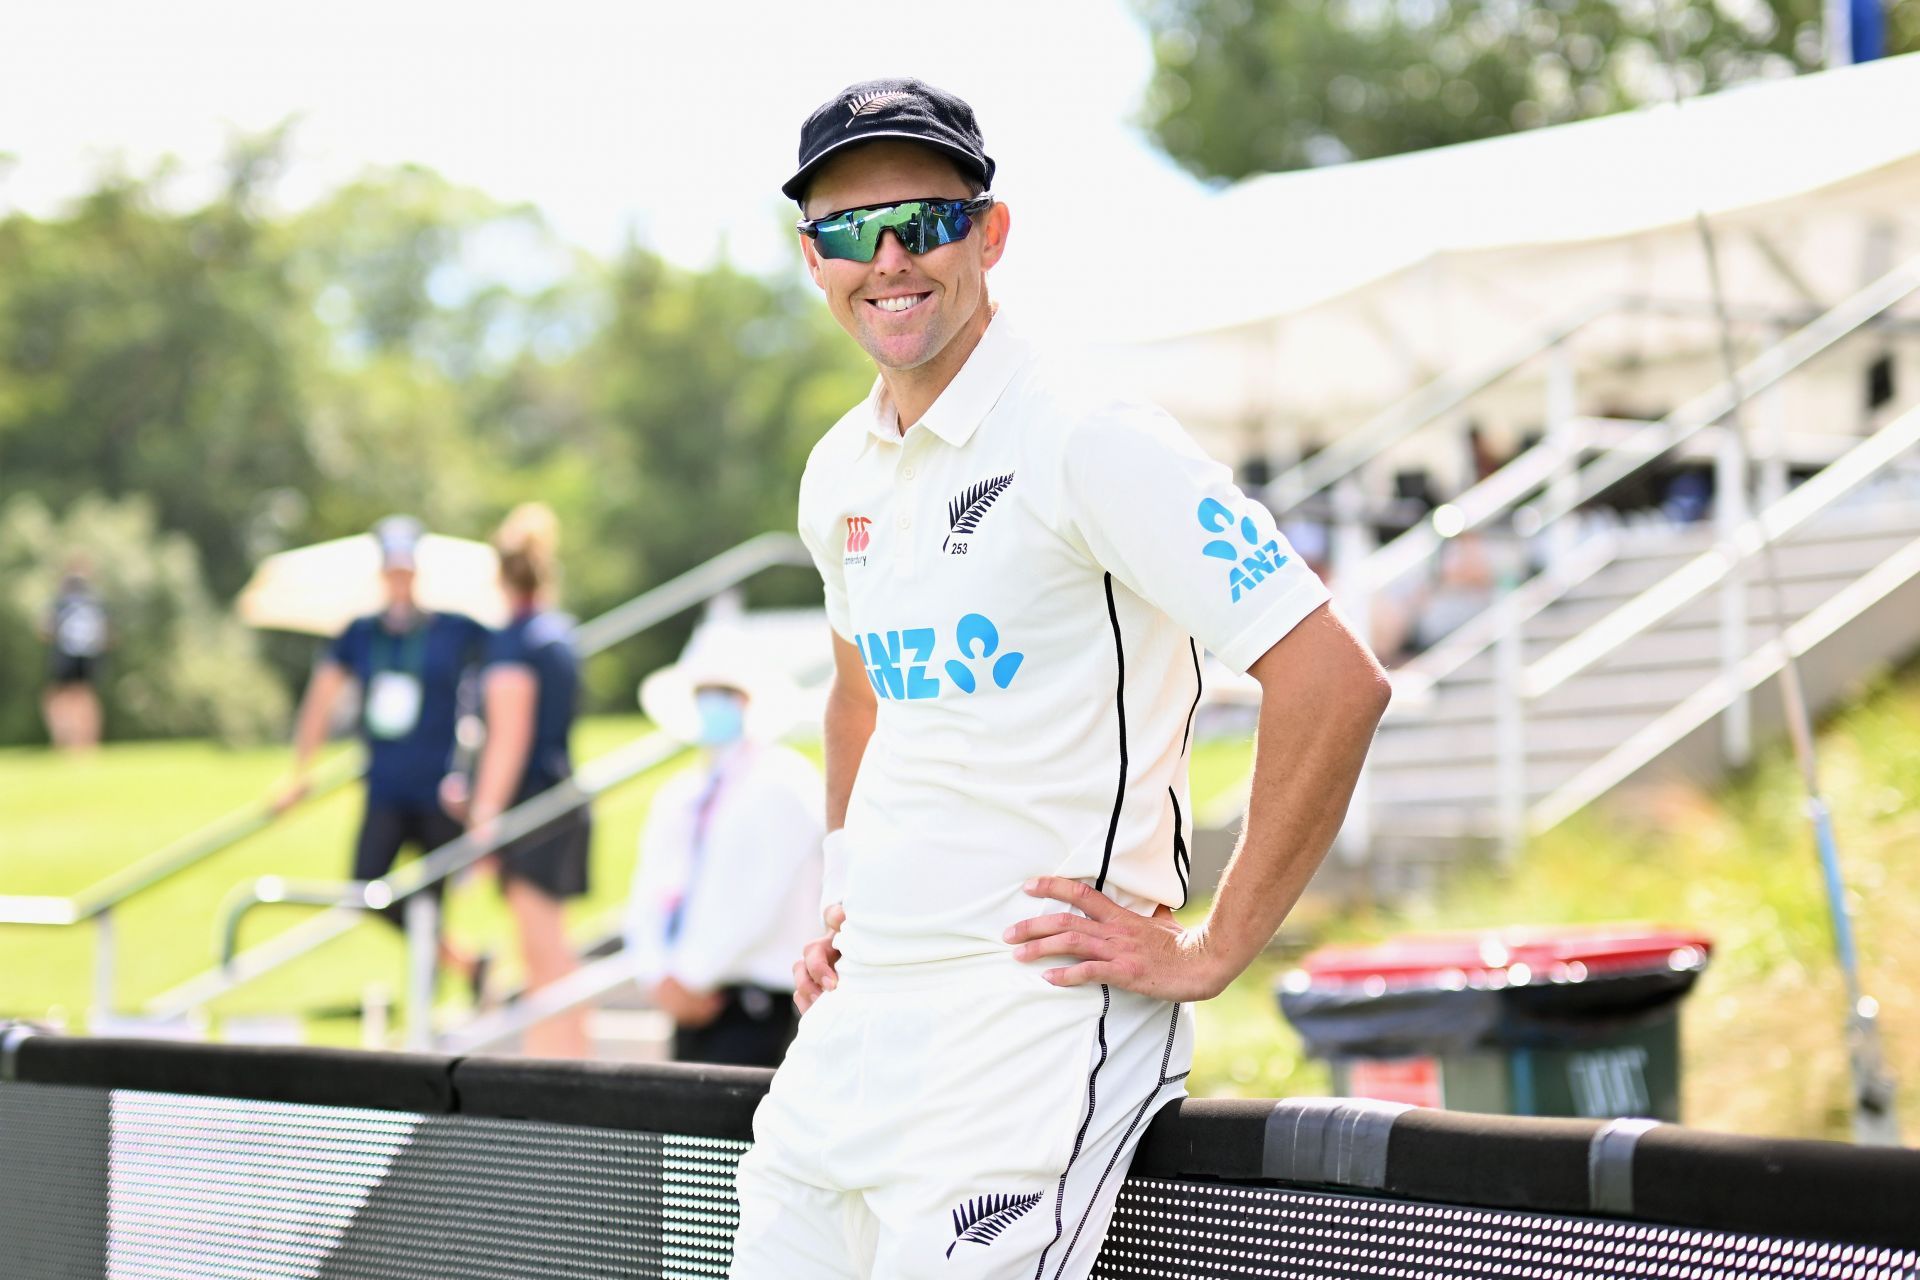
[(905, 522), (907, 472)]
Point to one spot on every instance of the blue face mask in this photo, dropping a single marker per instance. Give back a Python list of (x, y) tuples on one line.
[(723, 717)]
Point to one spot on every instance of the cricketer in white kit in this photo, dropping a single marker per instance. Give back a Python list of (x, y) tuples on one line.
[(1021, 571)]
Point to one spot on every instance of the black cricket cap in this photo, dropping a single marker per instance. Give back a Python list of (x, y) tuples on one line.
[(909, 109)]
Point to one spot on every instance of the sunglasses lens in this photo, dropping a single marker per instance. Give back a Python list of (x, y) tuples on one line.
[(855, 234), (920, 224), (953, 224)]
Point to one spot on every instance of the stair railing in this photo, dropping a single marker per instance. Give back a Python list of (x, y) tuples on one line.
[(1353, 449), (346, 902), (1522, 685), (1553, 469), (1553, 464)]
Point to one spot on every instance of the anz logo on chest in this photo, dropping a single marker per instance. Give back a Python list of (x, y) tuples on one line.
[(901, 665), (1253, 560)]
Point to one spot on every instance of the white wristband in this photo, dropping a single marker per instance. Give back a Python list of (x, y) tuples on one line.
[(833, 869)]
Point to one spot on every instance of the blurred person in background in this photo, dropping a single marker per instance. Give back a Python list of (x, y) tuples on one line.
[(76, 633), (408, 663), (530, 693), (728, 885)]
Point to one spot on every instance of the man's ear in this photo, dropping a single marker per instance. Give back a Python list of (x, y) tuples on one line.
[(811, 254), (994, 225)]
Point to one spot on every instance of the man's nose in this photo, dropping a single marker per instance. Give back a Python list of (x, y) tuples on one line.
[(890, 255)]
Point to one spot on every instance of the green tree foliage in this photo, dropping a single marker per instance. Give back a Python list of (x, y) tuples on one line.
[(155, 354), (713, 386), (180, 663), (254, 381), (1255, 86)]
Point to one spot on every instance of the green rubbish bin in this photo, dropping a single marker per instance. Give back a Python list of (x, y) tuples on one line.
[(1567, 1021)]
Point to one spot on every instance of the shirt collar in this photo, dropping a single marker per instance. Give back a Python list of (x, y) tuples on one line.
[(969, 397)]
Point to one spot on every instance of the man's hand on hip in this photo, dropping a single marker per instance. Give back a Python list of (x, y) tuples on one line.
[(813, 972), (1151, 955)]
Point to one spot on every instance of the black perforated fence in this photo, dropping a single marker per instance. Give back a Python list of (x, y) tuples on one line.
[(133, 1159)]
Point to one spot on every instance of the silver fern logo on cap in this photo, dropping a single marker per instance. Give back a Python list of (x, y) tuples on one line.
[(867, 104)]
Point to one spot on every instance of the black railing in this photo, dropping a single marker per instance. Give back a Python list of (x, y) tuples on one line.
[(336, 1162)]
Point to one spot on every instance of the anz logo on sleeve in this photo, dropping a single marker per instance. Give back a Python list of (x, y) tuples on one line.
[(1253, 561), (901, 665)]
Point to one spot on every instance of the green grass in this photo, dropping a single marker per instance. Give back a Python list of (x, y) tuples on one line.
[(68, 822)]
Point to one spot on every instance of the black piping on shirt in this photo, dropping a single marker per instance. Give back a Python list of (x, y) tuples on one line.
[(1120, 714), (1086, 1122), (1182, 860), (1166, 1059), (1187, 737)]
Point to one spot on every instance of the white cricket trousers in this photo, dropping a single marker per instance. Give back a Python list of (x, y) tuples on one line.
[(964, 1120)]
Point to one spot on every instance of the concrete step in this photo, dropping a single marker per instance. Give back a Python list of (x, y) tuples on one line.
[(1568, 618), (1470, 702), (1641, 564), (1586, 736), (1430, 828), (1666, 646), (1463, 784)]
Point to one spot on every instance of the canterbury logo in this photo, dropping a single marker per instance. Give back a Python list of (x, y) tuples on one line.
[(868, 104)]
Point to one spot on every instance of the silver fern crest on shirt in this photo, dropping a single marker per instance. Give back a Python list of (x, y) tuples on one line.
[(965, 512), (867, 104), (982, 1219)]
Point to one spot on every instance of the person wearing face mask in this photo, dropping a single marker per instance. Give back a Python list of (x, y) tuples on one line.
[(729, 876), (409, 663)]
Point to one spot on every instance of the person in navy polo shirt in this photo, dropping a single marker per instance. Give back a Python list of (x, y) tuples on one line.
[(409, 664), (531, 687)]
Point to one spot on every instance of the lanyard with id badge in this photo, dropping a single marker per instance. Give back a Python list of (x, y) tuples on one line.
[(394, 693)]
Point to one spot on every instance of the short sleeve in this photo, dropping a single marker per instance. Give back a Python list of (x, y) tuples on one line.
[(349, 649), (833, 578), (1167, 521)]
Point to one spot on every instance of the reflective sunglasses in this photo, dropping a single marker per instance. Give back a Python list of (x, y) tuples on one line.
[(854, 234)]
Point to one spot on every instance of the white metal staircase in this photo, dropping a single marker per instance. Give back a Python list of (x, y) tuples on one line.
[(1437, 765), (1628, 652)]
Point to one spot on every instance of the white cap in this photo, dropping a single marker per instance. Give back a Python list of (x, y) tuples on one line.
[(721, 660)]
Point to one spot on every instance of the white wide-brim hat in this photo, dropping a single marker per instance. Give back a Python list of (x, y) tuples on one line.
[(773, 700)]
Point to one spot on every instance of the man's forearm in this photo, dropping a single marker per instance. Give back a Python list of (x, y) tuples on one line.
[(316, 708), (847, 725), (1313, 737)]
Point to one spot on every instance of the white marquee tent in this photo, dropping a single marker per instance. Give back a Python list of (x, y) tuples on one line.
[(1321, 295)]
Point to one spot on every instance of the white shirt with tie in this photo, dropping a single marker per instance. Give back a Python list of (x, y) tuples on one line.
[(727, 890)]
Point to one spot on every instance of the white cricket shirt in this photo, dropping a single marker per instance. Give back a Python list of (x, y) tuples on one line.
[(1029, 573)]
